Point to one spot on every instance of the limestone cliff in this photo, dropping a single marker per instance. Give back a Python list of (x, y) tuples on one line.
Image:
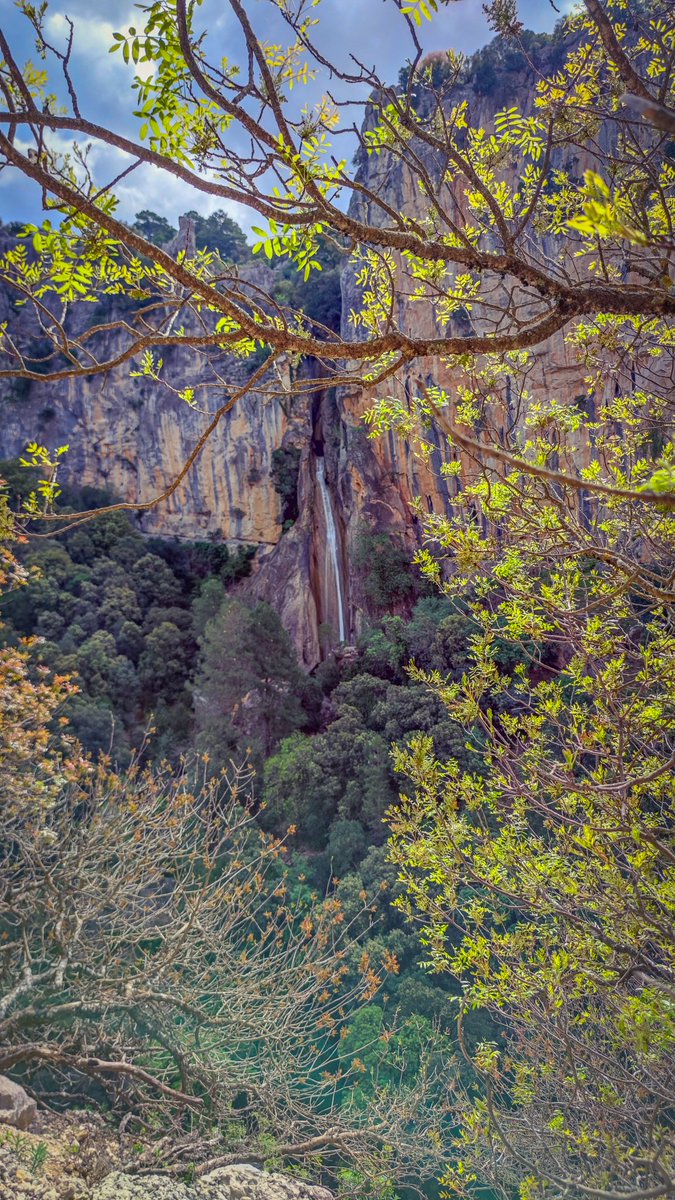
[(131, 436), (374, 482)]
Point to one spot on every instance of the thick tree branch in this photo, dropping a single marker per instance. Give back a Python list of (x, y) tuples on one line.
[(36, 1052), (490, 450), (626, 70)]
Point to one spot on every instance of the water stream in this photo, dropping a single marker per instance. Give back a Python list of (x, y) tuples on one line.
[(331, 543)]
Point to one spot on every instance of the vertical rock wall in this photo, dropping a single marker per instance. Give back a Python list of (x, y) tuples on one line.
[(132, 436)]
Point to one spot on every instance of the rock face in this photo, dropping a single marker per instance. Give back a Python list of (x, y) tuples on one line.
[(16, 1107), (132, 436), (228, 1183)]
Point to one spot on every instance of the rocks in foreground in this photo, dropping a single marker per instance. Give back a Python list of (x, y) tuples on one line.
[(240, 1182), (76, 1156)]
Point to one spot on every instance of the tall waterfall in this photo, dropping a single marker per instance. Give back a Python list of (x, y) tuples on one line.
[(331, 543)]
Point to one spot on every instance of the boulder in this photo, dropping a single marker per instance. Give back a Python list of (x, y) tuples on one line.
[(244, 1182), (16, 1107), (135, 1187), (239, 1182)]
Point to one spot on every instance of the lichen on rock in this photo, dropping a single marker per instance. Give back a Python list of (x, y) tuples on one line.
[(238, 1182)]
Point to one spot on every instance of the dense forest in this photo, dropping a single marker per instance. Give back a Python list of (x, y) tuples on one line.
[(167, 659)]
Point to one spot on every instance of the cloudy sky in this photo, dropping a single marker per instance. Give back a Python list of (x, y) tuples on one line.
[(371, 29)]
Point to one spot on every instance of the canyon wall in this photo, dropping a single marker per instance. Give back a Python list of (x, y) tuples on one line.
[(131, 436)]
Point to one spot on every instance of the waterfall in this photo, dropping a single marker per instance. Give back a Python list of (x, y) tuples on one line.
[(331, 543)]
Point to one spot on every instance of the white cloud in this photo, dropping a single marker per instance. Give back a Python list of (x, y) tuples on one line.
[(168, 196), (92, 41), (148, 187)]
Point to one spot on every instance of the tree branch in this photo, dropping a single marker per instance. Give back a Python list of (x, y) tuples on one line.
[(666, 500), (613, 47), (92, 1066)]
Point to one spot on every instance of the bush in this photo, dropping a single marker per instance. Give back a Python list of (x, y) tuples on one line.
[(388, 577), (172, 973), (284, 475)]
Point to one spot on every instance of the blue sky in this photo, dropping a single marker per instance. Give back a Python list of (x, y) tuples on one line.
[(369, 28)]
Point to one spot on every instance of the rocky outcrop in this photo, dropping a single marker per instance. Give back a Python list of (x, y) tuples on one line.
[(228, 1183), (16, 1107), (77, 1156)]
